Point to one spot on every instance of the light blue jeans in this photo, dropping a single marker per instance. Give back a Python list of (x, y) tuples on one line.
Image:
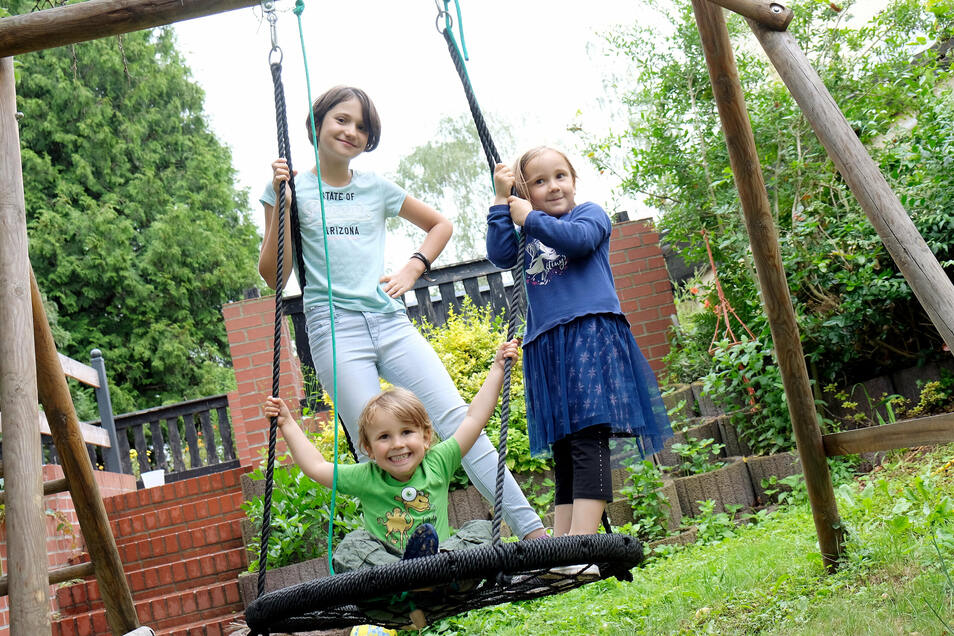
[(372, 345)]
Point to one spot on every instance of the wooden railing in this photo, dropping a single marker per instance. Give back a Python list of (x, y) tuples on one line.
[(185, 439)]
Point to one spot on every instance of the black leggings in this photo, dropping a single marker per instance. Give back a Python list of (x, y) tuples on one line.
[(581, 466)]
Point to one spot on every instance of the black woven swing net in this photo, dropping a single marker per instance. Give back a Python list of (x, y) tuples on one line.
[(417, 592)]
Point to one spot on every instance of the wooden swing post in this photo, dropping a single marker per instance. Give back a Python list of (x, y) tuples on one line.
[(93, 19), (930, 284), (763, 238), (54, 394), (26, 524), (771, 15)]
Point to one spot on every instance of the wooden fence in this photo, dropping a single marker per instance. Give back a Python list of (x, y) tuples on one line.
[(431, 300), (184, 440)]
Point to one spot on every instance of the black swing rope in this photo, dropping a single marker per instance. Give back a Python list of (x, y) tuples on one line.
[(410, 594), (517, 273), (284, 150)]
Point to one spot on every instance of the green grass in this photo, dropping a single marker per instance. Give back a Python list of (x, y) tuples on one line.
[(769, 578)]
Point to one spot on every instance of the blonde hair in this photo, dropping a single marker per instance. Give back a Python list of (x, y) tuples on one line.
[(520, 168), (400, 404)]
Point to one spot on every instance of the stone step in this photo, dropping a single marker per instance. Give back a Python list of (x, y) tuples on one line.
[(206, 605), (173, 518), (222, 626), (176, 493), (145, 553), (183, 544), (174, 576)]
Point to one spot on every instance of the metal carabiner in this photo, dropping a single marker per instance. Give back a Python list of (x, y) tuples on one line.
[(268, 6), (442, 13)]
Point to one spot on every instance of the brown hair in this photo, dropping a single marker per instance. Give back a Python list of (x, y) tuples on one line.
[(520, 168), (402, 405), (334, 96)]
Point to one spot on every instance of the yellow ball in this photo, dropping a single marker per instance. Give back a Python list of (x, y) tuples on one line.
[(372, 630)]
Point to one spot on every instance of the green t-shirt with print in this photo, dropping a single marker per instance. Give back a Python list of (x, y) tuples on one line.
[(393, 509)]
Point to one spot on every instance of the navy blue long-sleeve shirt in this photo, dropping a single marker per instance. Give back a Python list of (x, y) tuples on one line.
[(567, 263)]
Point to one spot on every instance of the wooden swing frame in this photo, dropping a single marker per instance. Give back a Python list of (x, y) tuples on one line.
[(28, 357)]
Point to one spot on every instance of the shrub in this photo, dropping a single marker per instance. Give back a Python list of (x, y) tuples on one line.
[(467, 344), (649, 506), (747, 384), (697, 455), (300, 515), (713, 526), (689, 358)]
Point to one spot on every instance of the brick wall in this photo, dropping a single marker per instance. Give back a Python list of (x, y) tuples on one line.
[(250, 325), (62, 543), (642, 283)]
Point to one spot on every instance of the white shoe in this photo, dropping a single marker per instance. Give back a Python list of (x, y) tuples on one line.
[(583, 572)]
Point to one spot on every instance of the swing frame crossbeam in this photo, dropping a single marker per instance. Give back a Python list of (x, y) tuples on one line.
[(94, 19)]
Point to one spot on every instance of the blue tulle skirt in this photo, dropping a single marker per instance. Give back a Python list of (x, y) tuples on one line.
[(587, 372)]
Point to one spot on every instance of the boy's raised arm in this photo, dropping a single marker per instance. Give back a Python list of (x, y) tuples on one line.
[(484, 403), (308, 458)]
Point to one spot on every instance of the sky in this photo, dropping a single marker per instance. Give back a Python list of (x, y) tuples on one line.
[(529, 65)]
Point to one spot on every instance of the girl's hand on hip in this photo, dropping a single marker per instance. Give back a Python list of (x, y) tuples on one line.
[(394, 285), (519, 209), (280, 173)]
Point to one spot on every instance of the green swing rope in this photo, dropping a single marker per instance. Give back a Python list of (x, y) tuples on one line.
[(299, 9)]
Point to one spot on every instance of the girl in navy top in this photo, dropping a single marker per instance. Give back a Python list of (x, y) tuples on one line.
[(586, 379)]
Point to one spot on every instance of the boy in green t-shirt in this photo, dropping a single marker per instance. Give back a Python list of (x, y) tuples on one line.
[(403, 489)]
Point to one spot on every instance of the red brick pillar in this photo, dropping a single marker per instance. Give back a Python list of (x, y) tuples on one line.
[(642, 283), (251, 331)]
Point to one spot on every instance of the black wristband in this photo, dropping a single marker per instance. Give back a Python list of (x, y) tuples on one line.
[(427, 265)]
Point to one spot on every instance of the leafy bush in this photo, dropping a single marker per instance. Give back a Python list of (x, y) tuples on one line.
[(467, 344), (540, 494), (697, 455), (933, 399), (713, 526), (788, 491), (856, 314), (747, 384), (689, 358), (300, 513), (324, 440), (649, 506)]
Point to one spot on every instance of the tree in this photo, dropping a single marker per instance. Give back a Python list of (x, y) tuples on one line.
[(855, 311), (451, 174), (137, 232)]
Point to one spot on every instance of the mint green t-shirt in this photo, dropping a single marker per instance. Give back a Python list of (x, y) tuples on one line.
[(393, 509), (355, 215)]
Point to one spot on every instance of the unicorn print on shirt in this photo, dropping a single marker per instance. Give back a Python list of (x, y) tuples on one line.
[(545, 263)]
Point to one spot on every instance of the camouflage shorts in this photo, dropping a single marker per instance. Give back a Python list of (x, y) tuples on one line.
[(361, 550)]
